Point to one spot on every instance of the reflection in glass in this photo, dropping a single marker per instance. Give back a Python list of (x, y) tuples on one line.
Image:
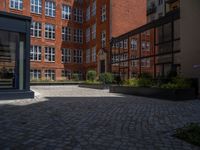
[(8, 45)]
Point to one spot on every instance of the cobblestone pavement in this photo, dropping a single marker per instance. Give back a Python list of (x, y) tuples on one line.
[(72, 118)]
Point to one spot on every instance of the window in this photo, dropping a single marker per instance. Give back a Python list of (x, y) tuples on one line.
[(80, 75), (66, 74), (133, 44), (94, 31), (66, 55), (87, 34), (78, 36), (143, 45), (66, 34), (88, 13), (148, 46), (103, 13), (16, 4), (121, 44), (145, 62), (78, 56), (66, 12), (50, 8), (78, 15), (49, 31), (49, 54), (94, 54), (49, 74), (94, 8), (35, 53), (36, 6), (134, 63), (125, 44), (36, 29), (103, 39), (88, 56), (35, 74)]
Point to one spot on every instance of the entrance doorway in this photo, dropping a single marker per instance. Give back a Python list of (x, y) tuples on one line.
[(102, 66)]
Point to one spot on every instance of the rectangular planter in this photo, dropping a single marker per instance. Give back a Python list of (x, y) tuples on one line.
[(168, 94), (94, 86)]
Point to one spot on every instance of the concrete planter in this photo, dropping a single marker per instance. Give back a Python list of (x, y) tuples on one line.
[(168, 94), (94, 86)]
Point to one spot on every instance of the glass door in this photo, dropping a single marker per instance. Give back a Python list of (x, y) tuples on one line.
[(8, 50)]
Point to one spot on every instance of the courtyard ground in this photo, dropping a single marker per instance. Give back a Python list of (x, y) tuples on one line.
[(72, 118)]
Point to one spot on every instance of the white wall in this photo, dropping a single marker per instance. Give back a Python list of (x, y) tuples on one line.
[(190, 37)]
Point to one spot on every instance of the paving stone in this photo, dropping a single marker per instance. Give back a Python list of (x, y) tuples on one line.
[(68, 117)]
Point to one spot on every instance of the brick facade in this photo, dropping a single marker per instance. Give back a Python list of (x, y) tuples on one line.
[(121, 16)]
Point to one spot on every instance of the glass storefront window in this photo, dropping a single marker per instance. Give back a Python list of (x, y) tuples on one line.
[(11, 47)]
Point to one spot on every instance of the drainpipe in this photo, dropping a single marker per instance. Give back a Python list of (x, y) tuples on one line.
[(4, 5)]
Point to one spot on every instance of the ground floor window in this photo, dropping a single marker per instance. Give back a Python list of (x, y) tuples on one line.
[(49, 74), (35, 74), (80, 74), (66, 74)]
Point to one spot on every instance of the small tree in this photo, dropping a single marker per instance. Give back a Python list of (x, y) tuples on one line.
[(106, 78), (91, 75)]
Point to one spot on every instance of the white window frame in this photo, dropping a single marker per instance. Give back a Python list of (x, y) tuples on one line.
[(78, 56), (36, 29), (78, 15), (87, 35), (35, 53), (67, 74), (88, 13), (36, 6), (103, 13), (66, 34), (133, 44), (50, 31), (103, 39), (16, 4), (35, 74), (78, 36), (49, 54), (66, 55), (50, 8), (66, 12), (94, 28), (50, 74), (93, 13)]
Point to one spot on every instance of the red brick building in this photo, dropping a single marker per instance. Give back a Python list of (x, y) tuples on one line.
[(153, 48), (72, 36)]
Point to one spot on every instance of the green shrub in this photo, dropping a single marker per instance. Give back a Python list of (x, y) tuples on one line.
[(177, 83), (146, 75), (92, 82), (91, 75), (131, 82), (190, 133), (75, 77), (106, 78), (117, 80), (145, 82)]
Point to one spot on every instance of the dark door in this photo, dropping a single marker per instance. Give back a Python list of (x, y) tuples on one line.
[(102, 66)]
